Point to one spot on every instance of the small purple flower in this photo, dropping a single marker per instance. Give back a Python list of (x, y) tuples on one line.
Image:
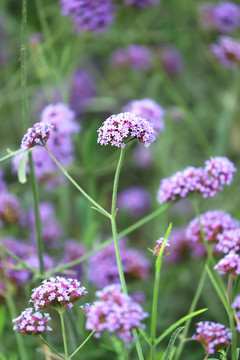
[(137, 57), (206, 14), (212, 336), (229, 241), (227, 51), (120, 127), (213, 223), (150, 110), (114, 312), (57, 292), (32, 323), (142, 3), (171, 60), (135, 199), (229, 264), (37, 135), (89, 15), (143, 157), (158, 247), (73, 250), (226, 16)]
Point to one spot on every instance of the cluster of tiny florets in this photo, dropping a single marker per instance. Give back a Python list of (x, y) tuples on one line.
[(207, 181), (103, 269), (213, 336), (37, 135), (57, 292), (229, 264), (150, 110), (32, 323), (227, 51), (120, 127), (89, 15), (159, 245), (229, 241), (114, 312), (213, 223)]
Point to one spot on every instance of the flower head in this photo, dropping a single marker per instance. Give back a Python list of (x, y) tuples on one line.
[(227, 50), (229, 264), (57, 292), (226, 16), (89, 15), (120, 127), (212, 336), (150, 110), (229, 241), (32, 323), (159, 246), (171, 60), (114, 312), (37, 135)]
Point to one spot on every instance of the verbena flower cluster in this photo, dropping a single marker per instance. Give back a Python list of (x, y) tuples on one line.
[(119, 128), (213, 336), (213, 224), (37, 135), (89, 15), (207, 181), (114, 312), (135, 199), (224, 17), (57, 292), (229, 264), (103, 269), (136, 57), (32, 323), (159, 245), (229, 241), (150, 110), (60, 143), (227, 51)]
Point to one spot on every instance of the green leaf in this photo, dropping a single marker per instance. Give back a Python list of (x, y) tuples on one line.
[(172, 342), (22, 177), (2, 319), (2, 357), (145, 336), (10, 154), (176, 324), (218, 290)]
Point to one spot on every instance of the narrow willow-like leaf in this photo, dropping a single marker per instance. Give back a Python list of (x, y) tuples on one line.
[(172, 342), (218, 290), (11, 154), (22, 176), (177, 323)]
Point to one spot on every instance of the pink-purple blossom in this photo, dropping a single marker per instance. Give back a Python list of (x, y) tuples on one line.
[(58, 292), (226, 16), (136, 200), (32, 323), (150, 110), (37, 135), (213, 336), (227, 51), (229, 264), (159, 245), (207, 181), (119, 128), (136, 57), (229, 241), (171, 60), (114, 312)]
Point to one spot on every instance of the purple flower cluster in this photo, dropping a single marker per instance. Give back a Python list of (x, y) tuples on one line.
[(57, 292), (227, 51), (158, 247), (37, 135), (32, 323), (103, 269), (213, 223), (60, 143), (51, 228), (171, 60), (229, 241), (114, 312), (134, 199), (212, 336), (143, 157), (89, 15), (142, 3), (136, 57), (150, 110), (229, 264), (207, 181), (120, 127), (224, 17)]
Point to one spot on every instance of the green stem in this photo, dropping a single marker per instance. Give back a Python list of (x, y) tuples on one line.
[(98, 207), (82, 344), (24, 65), (127, 231), (19, 260), (13, 314), (154, 315), (37, 213), (231, 319), (63, 333), (51, 348)]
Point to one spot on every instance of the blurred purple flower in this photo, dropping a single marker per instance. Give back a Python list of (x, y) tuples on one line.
[(142, 3), (89, 15), (10, 209), (229, 264), (137, 57), (135, 199), (206, 14), (143, 157), (229, 241), (226, 16), (171, 60), (73, 250), (227, 50)]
